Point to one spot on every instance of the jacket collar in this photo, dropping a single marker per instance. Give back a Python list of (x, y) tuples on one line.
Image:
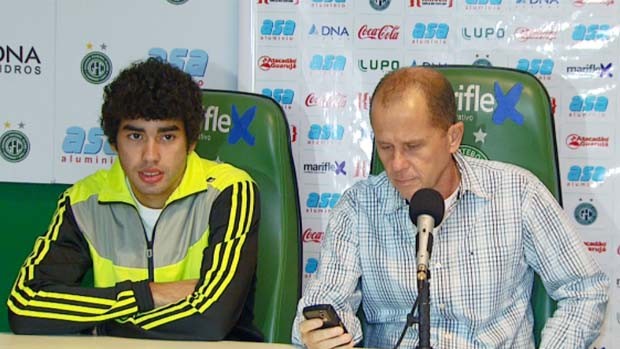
[(116, 188)]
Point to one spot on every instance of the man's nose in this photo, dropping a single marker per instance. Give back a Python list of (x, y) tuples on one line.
[(151, 151)]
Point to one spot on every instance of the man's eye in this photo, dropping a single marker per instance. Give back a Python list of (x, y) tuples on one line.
[(168, 138), (135, 136)]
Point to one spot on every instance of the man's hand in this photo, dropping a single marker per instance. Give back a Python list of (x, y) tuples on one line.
[(315, 338), (171, 292)]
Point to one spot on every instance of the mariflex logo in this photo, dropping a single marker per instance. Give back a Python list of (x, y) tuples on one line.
[(470, 98), (237, 125), (96, 67), (14, 146)]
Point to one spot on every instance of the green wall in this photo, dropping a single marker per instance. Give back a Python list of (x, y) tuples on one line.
[(25, 213)]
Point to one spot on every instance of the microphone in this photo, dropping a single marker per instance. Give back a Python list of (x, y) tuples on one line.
[(426, 210)]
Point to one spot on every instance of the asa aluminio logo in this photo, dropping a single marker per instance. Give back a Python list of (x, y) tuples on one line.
[(96, 66)]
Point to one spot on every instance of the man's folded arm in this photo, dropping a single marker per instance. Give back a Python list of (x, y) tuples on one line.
[(226, 277), (47, 297)]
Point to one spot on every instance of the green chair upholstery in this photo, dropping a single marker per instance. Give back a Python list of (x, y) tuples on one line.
[(250, 131), (507, 116)]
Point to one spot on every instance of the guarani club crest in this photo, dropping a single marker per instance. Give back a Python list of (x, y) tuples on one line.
[(380, 5), (177, 2), (96, 66), (14, 144)]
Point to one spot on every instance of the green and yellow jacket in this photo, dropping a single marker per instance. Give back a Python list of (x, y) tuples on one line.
[(207, 230)]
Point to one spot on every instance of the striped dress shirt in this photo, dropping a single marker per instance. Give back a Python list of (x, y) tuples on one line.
[(504, 227)]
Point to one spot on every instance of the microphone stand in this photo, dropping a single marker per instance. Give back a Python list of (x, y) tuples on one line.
[(422, 303), (424, 309)]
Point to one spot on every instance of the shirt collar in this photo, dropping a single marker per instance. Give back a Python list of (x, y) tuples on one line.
[(469, 183)]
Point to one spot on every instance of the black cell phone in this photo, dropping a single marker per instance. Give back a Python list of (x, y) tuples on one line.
[(325, 312)]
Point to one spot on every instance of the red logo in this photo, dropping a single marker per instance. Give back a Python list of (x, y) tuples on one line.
[(267, 63), (312, 236), (387, 32), (361, 169), (363, 101), (420, 3), (525, 34), (329, 100), (596, 246), (574, 141), (554, 106), (293, 133)]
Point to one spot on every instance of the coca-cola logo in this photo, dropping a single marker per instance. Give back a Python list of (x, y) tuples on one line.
[(330, 100), (387, 32), (312, 236)]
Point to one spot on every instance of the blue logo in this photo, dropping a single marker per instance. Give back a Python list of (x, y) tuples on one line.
[(329, 1), (340, 168), (325, 132), (591, 32), (507, 104), (328, 62), (380, 5), (311, 265), (194, 62), (77, 141), (430, 31), (589, 104), (278, 27), (240, 126), (585, 213), (536, 66), (538, 2), (483, 2), (280, 95), (236, 125), (322, 200), (586, 174), (326, 30)]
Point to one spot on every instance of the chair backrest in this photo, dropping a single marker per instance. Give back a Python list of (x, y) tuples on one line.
[(508, 117), (250, 131)]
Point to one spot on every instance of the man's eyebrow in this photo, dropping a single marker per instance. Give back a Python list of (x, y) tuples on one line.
[(130, 127), (168, 128)]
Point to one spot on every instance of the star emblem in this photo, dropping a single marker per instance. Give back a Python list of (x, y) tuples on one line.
[(480, 136), (89, 45), (21, 125), (7, 125), (103, 46)]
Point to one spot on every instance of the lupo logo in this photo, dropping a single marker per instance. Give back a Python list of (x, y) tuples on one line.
[(502, 105), (236, 125)]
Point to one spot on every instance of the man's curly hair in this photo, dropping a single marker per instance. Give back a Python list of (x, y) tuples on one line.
[(152, 90)]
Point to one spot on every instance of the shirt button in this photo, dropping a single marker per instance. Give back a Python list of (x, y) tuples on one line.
[(437, 265), (447, 336), (442, 306)]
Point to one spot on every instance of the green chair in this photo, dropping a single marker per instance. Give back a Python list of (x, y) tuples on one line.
[(250, 131), (507, 116)]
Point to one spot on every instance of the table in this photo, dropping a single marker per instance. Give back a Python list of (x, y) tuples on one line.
[(12, 341)]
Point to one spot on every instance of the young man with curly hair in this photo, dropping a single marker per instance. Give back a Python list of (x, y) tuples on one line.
[(171, 239)]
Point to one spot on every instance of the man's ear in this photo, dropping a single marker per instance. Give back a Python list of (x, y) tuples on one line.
[(191, 147), (455, 136)]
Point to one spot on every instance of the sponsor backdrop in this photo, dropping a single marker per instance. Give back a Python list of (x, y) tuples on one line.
[(56, 57), (320, 59)]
